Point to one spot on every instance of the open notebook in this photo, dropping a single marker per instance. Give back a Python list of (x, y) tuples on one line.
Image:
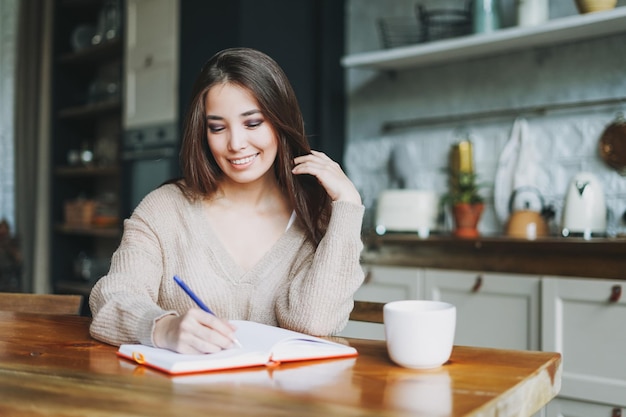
[(262, 345)]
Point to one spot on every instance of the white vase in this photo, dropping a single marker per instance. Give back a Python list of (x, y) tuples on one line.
[(532, 12)]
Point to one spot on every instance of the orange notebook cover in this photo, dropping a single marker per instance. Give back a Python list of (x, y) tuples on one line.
[(262, 345)]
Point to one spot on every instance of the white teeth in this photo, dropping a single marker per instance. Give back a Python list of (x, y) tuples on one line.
[(243, 161)]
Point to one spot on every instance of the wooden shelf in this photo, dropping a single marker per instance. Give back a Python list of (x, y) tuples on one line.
[(106, 232), (82, 3), (94, 54), (84, 171), (91, 110), (86, 112), (562, 30)]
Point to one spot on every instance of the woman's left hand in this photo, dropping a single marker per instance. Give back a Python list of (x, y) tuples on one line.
[(329, 174)]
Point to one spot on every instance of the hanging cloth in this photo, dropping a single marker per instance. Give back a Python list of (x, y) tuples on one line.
[(516, 168)]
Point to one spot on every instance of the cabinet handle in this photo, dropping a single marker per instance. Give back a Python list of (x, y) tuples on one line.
[(616, 293), (478, 283), (617, 412)]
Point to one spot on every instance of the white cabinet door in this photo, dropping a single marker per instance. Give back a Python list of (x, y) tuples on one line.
[(151, 59), (493, 310), (560, 407), (585, 320), (384, 284)]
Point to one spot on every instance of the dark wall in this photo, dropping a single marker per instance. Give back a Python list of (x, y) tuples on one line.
[(305, 37)]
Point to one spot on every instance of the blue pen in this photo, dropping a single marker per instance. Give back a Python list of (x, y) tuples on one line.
[(197, 300)]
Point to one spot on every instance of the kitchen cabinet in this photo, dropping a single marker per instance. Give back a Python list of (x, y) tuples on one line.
[(86, 128), (152, 55), (584, 320), (562, 30), (384, 284), (493, 309), (151, 97), (560, 407)]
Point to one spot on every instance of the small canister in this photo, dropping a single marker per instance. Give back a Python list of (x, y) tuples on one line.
[(532, 12), (486, 16)]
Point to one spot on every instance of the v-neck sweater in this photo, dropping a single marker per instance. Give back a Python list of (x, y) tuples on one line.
[(296, 284)]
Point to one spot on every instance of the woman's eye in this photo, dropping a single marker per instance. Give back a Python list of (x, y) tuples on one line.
[(253, 123), (215, 128)]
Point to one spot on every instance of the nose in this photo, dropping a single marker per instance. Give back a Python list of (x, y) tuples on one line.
[(238, 139)]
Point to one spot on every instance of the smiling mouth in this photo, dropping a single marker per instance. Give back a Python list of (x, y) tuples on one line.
[(245, 160)]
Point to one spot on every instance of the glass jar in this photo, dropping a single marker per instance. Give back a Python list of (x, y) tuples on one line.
[(485, 16)]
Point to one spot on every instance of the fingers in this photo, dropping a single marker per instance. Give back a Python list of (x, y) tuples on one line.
[(194, 332), (329, 174)]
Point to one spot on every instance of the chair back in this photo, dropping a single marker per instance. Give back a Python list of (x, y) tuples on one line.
[(367, 311), (41, 303)]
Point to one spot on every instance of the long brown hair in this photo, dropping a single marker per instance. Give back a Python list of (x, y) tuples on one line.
[(266, 81)]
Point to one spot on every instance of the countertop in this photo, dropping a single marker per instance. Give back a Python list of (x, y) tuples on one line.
[(571, 256)]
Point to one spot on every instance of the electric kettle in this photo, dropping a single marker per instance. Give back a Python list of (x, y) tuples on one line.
[(584, 211)]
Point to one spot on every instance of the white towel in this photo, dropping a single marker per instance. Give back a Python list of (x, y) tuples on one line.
[(516, 168)]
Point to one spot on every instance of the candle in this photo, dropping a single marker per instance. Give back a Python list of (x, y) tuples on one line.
[(466, 159)]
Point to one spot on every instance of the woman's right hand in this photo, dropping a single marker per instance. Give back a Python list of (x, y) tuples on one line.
[(194, 332), (329, 174)]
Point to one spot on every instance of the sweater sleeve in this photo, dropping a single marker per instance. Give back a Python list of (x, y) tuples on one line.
[(319, 297), (124, 302)]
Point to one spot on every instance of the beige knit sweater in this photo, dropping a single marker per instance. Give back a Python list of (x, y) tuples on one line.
[(295, 285)]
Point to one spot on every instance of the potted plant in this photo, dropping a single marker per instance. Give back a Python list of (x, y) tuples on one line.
[(465, 201)]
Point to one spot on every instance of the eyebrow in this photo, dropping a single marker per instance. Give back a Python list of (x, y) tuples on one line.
[(244, 114)]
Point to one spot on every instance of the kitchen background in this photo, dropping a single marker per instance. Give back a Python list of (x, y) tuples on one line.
[(8, 11), (561, 142)]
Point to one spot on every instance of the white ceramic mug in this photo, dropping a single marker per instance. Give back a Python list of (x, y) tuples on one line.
[(419, 333)]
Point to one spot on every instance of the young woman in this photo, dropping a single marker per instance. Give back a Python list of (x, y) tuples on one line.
[(260, 226)]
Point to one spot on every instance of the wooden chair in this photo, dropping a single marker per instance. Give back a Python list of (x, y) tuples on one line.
[(41, 303), (367, 311)]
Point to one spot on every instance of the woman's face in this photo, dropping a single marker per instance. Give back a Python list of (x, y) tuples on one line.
[(241, 140)]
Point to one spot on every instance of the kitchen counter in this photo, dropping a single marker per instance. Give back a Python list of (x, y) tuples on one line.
[(576, 257)]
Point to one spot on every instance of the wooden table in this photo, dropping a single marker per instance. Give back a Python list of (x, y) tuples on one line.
[(50, 366)]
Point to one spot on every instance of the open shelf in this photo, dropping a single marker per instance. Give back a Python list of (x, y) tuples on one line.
[(103, 232), (91, 110), (86, 171), (562, 30), (105, 51)]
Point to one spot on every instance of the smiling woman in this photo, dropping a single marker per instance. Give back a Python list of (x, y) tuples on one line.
[(263, 228), (242, 143)]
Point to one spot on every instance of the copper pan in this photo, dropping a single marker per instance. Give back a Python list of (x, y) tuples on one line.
[(613, 144)]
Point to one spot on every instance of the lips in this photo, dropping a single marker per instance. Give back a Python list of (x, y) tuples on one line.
[(244, 161)]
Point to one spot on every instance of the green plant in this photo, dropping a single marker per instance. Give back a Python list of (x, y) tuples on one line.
[(464, 188)]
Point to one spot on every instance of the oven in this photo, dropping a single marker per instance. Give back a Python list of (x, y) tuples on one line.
[(150, 157)]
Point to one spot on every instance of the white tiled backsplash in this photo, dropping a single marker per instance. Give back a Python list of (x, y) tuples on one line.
[(565, 142)]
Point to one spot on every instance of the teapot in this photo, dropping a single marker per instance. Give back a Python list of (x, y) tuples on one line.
[(527, 223)]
